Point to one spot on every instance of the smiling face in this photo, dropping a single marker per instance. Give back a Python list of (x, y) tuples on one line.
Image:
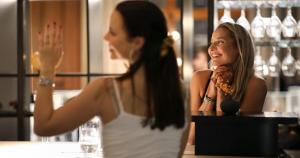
[(120, 45), (223, 49)]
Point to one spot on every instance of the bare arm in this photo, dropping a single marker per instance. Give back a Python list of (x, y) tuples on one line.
[(195, 101), (73, 113), (198, 83)]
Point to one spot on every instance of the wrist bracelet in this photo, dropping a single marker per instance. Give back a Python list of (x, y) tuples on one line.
[(209, 100), (44, 82)]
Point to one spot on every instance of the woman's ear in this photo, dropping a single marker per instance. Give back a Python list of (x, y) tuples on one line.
[(138, 42)]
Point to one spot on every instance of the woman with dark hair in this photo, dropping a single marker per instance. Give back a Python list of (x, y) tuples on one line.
[(142, 111)]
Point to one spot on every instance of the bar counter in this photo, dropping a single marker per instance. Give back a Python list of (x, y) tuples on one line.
[(27, 149)]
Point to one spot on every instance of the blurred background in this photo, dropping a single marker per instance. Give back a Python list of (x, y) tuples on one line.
[(191, 23)]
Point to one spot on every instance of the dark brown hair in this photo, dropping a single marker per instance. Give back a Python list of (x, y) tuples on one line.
[(164, 92)]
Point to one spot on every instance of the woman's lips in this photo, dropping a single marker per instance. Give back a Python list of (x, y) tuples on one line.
[(111, 48)]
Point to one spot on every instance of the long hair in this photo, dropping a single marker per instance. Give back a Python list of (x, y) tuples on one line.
[(165, 103), (243, 65)]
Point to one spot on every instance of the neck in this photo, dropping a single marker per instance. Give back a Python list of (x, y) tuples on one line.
[(139, 74)]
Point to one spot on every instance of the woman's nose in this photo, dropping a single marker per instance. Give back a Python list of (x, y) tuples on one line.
[(106, 37), (210, 48)]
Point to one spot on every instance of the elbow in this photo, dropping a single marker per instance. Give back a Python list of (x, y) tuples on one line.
[(40, 131)]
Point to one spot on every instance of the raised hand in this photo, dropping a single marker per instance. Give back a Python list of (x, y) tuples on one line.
[(50, 48)]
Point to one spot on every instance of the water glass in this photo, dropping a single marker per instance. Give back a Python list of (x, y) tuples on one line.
[(89, 136)]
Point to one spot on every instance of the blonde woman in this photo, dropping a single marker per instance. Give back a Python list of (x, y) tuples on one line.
[(232, 57)]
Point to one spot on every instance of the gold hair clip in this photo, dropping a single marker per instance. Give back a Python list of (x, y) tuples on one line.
[(167, 42)]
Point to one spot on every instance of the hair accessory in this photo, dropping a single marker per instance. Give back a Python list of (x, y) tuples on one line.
[(167, 42)]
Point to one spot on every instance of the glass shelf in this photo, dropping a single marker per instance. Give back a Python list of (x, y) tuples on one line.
[(14, 114), (284, 43), (61, 74)]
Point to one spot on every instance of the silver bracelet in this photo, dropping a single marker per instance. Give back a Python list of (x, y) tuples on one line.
[(44, 82), (209, 100)]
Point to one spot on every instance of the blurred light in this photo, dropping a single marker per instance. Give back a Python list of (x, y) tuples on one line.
[(175, 35), (179, 62)]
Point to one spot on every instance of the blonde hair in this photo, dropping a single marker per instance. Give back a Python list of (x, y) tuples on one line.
[(243, 65)]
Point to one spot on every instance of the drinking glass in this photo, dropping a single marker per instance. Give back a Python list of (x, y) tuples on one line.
[(299, 28), (260, 65), (226, 16), (257, 26), (89, 136), (242, 20), (274, 64), (288, 64), (274, 27), (297, 66), (289, 25)]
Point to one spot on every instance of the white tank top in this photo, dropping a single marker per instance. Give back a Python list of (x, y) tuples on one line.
[(124, 137)]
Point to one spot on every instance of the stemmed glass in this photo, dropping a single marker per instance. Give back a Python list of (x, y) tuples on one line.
[(226, 16), (260, 66), (288, 64), (297, 66), (242, 20), (257, 25), (289, 25), (299, 28), (274, 27), (274, 64)]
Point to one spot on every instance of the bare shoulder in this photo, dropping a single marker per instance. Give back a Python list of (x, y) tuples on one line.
[(199, 81), (201, 76), (255, 94), (257, 82), (98, 87)]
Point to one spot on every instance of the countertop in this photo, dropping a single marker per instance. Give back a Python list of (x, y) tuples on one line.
[(27, 149)]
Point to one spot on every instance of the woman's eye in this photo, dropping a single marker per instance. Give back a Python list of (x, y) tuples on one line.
[(112, 33), (219, 42)]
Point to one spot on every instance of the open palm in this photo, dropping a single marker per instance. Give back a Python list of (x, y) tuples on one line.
[(50, 47)]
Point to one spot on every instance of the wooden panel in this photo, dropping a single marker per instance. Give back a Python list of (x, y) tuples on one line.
[(67, 14)]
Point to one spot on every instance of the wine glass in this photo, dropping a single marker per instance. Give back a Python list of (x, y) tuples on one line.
[(274, 27), (257, 25), (242, 20), (289, 25), (299, 28), (297, 65), (274, 64), (260, 66), (226, 16), (288, 64)]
